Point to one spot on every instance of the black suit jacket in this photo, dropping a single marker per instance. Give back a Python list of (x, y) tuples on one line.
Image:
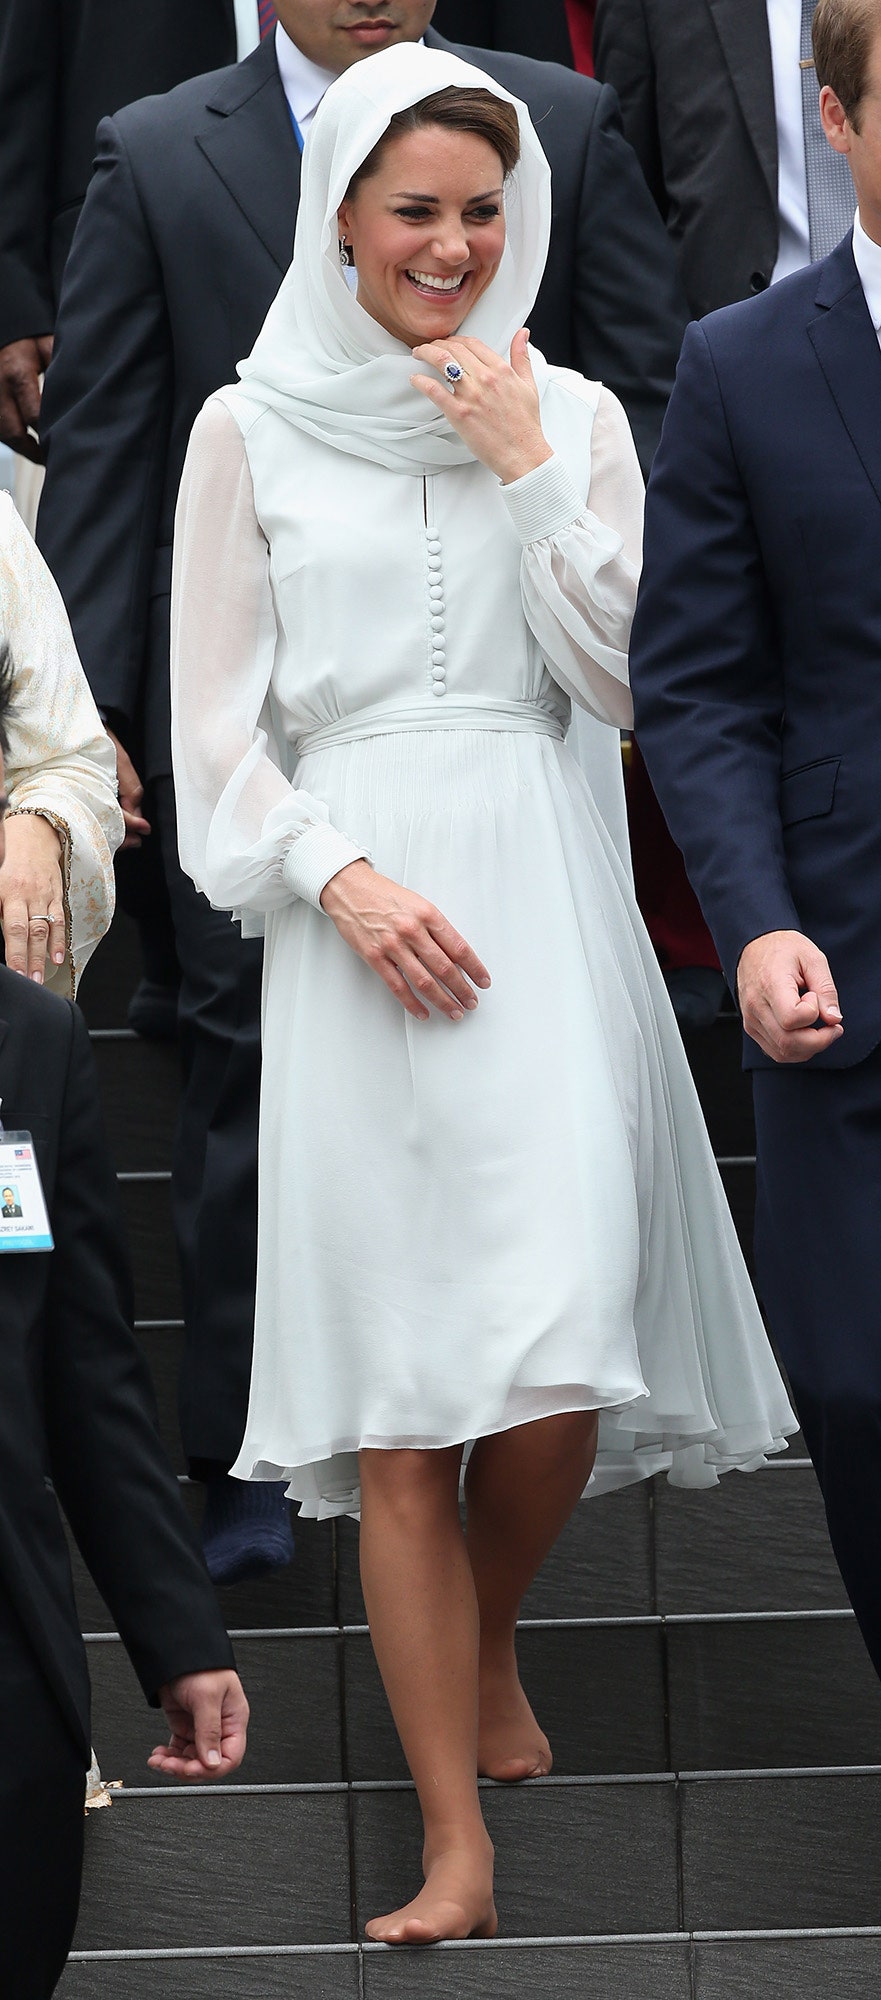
[(76, 1405), (64, 65), (516, 25), (185, 235), (696, 89)]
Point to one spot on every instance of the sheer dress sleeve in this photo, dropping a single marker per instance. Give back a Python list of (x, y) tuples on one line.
[(248, 839), (580, 566), (61, 763)]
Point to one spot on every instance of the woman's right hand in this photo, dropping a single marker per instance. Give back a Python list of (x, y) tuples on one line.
[(406, 940)]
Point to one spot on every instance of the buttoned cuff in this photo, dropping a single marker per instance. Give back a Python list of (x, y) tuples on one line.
[(314, 857), (544, 501)]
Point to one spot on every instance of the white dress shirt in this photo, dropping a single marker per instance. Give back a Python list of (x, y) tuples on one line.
[(784, 22), (247, 27), (867, 257)]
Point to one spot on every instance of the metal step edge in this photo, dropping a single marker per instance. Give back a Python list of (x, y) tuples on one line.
[(627, 1940), (592, 1781), (164, 1174), (653, 1621)]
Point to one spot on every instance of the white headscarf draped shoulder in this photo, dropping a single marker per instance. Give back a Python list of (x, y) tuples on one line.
[(321, 360)]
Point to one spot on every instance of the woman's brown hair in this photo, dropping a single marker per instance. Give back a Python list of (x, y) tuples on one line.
[(478, 111)]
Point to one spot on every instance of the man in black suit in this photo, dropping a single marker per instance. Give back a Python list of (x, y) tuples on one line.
[(714, 95), (10, 1207), (516, 25), (77, 1421), (64, 65), (185, 235)]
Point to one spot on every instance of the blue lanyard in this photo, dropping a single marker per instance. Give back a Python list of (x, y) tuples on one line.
[(297, 133)]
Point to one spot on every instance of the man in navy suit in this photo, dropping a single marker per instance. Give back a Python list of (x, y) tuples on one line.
[(757, 675)]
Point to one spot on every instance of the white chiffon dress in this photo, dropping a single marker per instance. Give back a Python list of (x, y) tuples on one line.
[(462, 1227)]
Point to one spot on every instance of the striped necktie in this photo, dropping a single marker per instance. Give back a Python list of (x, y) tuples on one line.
[(266, 17), (831, 197)]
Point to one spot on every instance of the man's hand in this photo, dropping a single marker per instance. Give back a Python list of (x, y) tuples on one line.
[(787, 997), (21, 365), (131, 792), (208, 1715)]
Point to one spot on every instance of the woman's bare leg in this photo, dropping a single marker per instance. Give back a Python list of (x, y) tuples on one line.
[(423, 1617), (521, 1488)]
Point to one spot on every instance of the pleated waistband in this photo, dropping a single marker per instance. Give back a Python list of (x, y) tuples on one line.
[(390, 718)]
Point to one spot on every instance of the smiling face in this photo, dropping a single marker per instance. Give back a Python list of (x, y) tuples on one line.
[(336, 33), (427, 231)]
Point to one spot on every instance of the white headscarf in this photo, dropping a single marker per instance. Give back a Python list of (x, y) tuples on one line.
[(320, 359)]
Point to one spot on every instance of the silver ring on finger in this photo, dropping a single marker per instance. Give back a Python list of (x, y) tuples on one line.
[(42, 920), (453, 373)]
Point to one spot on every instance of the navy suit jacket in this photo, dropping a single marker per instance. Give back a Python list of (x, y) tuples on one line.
[(756, 652)]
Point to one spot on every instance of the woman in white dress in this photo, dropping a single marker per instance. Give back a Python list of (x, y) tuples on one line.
[(485, 1221), (63, 823)]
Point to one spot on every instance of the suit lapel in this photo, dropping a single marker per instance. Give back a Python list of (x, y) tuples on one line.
[(742, 28), (249, 140), (846, 346)]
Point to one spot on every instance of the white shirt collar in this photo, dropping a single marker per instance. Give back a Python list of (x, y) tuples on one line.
[(867, 257), (304, 83)]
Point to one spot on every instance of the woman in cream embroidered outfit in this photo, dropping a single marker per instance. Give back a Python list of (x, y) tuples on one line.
[(485, 1222), (63, 823)]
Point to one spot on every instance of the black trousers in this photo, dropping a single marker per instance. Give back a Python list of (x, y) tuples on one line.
[(42, 1793), (818, 1263), (214, 1172)]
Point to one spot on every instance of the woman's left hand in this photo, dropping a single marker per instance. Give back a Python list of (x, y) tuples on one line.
[(495, 407), (32, 896)]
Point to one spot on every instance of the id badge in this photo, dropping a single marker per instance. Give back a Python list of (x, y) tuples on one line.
[(24, 1222)]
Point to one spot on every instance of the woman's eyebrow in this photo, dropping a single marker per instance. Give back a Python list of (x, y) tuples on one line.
[(407, 194)]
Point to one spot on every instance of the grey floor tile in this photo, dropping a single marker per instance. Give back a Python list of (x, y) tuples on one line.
[(313, 1976), (217, 1869), (601, 1566), (757, 1542), (294, 1733), (763, 1694), (782, 1853), (570, 1859), (549, 1972), (147, 1216), (778, 1968), (140, 1087), (597, 1691)]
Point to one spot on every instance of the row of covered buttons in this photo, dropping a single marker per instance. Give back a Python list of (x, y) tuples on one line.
[(438, 623)]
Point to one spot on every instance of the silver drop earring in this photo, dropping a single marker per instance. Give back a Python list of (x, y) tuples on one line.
[(345, 259)]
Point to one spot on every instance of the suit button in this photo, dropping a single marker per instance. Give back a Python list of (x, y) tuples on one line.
[(758, 282)]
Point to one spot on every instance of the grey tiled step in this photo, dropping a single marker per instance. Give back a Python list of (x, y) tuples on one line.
[(292, 1685), (781, 1851), (621, 1970), (215, 1869), (756, 1542), (814, 1968), (324, 1974), (570, 1860), (140, 1086)]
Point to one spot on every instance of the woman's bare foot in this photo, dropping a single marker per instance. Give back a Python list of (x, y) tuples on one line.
[(510, 1745), (457, 1901)]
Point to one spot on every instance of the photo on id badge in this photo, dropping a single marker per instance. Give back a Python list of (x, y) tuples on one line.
[(24, 1222)]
